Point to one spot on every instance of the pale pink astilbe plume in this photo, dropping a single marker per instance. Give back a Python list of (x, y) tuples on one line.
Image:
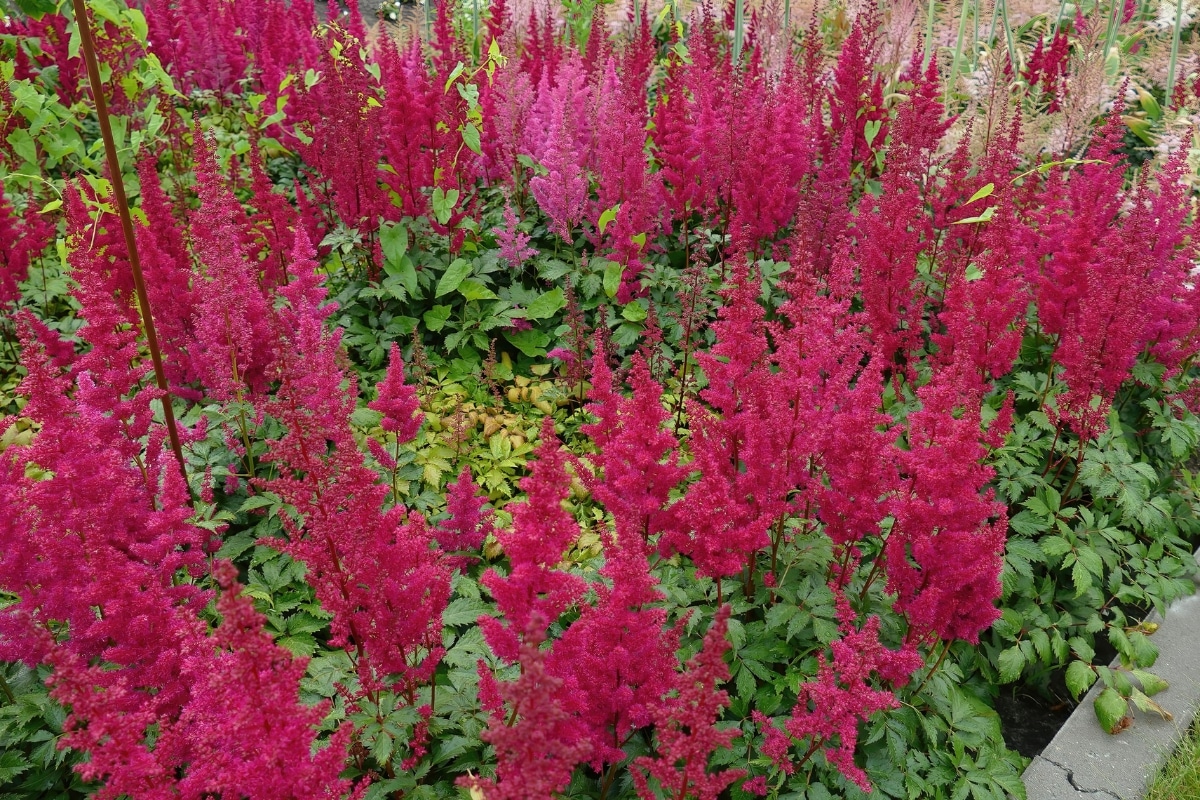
[(685, 728), (369, 567), (618, 159), (506, 115), (397, 401), (233, 320), (514, 243), (830, 708), (537, 741), (558, 135)]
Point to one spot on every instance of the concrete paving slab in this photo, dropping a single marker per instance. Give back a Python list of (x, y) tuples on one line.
[(1083, 761)]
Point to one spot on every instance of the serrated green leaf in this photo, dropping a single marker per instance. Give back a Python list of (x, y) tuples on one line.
[(1151, 683), (1144, 703), (436, 317), (1112, 710), (1010, 664), (1079, 678), (546, 304), (455, 274)]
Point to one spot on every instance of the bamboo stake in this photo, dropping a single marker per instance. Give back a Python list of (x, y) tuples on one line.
[(88, 47)]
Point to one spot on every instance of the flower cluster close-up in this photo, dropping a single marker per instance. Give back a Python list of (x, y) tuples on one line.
[(596, 399)]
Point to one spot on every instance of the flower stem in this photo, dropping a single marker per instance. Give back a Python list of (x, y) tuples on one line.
[(88, 47)]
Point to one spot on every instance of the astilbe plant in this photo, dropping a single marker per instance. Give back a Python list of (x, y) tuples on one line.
[(369, 566), (107, 597)]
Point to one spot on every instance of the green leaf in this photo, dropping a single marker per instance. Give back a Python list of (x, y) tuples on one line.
[(1010, 663), (436, 317), (612, 278), (606, 218), (393, 240), (545, 305), (458, 70), (1081, 578), (532, 342), (475, 290), (470, 135), (36, 8), (1080, 677), (1112, 710), (443, 203), (1146, 704), (1151, 683), (634, 312), (458, 270), (984, 217), (984, 191), (871, 130)]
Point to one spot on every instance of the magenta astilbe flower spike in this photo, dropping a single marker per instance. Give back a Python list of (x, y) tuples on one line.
[(397, 401), (233, 321), (370, 567), (685, 726), (537, 741), (541, 532)]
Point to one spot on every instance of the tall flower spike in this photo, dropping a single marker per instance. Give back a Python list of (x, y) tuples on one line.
[(397, 401)]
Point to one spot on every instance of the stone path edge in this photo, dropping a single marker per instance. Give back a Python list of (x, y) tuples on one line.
[(1082, 761)]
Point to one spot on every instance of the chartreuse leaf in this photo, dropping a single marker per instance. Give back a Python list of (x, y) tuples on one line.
[(1151, 683), (612, 278), (1112, 710)]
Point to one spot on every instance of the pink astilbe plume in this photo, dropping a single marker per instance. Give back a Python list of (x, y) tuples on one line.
[(106, 596), (514, 243), (687, 735), (736, 449), (945, 550), (369, 567), (541, 532), (232, 323), (397, 401), (408, 122), (22, 238), (558, 134), (243, 731), (468, 524), (167, 265), (537, 741), (830, 708), (897, 230)]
